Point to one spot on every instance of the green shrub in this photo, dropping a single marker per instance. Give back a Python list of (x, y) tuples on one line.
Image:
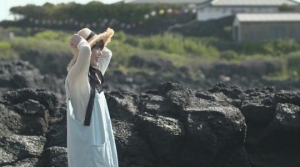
[(228, 29), (229, 55), (51, 35), (177, 44), (275, 48), (171, 43), (133, 41), (121, 51), (153, 42), (5, 47), (121, 36), (23, 45), (6, 52), (293, 63)]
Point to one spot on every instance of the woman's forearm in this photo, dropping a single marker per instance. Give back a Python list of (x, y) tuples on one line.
[(79, 71), (104, 60)]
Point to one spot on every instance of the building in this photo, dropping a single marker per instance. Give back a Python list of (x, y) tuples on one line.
[(253, 27), (189, 3), (216, 9), (165, 1)]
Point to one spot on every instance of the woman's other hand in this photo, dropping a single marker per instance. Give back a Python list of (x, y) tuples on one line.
[(75, 39)]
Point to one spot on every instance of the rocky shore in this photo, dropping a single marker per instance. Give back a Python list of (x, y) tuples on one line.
[(22, 74), (172, 125)]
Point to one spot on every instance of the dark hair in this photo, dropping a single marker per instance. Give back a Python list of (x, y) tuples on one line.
[(98, 45)]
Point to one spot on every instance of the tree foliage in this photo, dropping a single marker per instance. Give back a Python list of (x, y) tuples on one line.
[(89, 12)]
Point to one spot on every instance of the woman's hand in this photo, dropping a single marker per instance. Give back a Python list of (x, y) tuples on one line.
[(75, 39)]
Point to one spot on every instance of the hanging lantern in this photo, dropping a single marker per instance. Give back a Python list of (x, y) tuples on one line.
[(161, 12), (153, 13)]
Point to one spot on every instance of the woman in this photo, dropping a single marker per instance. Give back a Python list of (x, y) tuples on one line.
[(90, 139)]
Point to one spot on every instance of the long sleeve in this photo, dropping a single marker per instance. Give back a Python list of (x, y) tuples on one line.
[(79, 72), (77, 78), (104, 60)]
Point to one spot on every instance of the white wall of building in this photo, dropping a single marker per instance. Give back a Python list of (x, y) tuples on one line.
[(209, 13)]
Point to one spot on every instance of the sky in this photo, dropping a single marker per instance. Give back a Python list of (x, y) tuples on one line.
[(5, 5)]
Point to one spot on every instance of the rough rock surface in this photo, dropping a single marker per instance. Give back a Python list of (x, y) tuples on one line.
[(49, 73), (172, 125), (21, 74)]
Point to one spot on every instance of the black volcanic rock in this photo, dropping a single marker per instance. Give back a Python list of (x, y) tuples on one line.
[(258, 106), (24, 121), (173, 115), (55, 156), (21, 74), (47, 99), (288, 97), (234, 92), (219, 126), (168, 126), (156, 64), (19, 147), (278, 143), (132, 149)]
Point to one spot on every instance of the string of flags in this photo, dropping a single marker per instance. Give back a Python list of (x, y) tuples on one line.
[(111, 22)]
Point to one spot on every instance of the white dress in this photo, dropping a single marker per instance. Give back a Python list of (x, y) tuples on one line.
[(94, 145)]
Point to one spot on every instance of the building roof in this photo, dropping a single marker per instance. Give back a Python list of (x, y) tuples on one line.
[(165, 1), (268, 17), (253, 2)]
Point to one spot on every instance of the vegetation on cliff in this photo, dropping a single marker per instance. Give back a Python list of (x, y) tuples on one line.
[(151, 41)]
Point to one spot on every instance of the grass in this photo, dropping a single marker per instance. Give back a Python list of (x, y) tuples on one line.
[(22, 44), (180, 51)]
